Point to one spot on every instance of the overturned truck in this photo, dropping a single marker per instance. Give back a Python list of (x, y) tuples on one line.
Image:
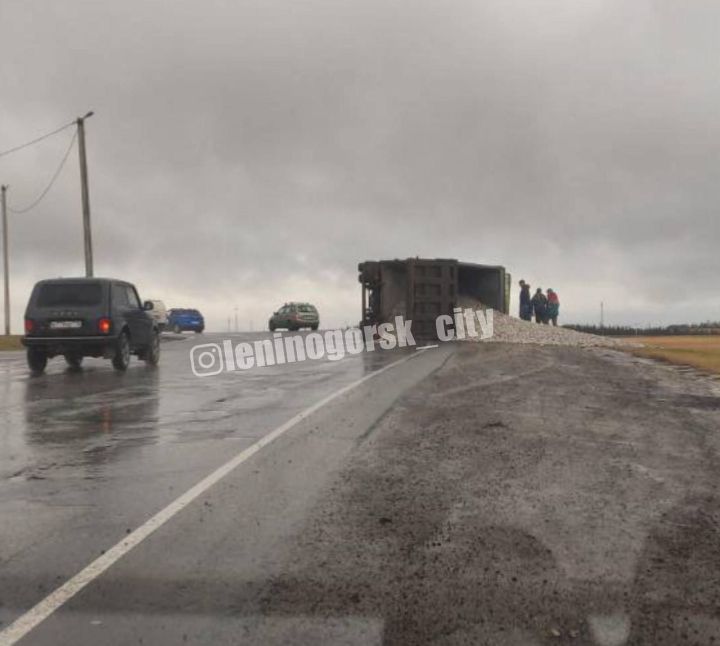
[(422, 289)]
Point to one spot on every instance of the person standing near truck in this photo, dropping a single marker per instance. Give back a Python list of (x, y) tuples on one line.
[(539, 305), (553, 306), (525, 301)]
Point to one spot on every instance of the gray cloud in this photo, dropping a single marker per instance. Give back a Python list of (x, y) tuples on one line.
[(248, 153)]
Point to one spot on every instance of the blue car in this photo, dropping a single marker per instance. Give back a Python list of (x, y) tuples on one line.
[(182, 320)]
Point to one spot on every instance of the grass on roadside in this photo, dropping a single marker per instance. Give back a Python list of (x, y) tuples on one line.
[(701, 352), (11, 342)]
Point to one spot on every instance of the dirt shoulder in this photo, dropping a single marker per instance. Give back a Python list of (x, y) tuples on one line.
[(11, 342), (525, 495)]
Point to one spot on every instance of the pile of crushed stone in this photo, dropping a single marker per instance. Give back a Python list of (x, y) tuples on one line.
[(508, 329)]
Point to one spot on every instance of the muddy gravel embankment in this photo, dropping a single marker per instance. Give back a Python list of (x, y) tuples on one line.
[(524, 495)]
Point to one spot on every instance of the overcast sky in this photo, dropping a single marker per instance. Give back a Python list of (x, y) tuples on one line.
[(246, 153)]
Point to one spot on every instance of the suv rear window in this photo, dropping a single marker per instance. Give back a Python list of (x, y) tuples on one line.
[(69, 294), (303, 307)]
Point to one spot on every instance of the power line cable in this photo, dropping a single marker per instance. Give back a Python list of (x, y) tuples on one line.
[(35, 141), (52, 181)]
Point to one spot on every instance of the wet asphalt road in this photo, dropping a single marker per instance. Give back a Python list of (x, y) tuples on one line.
[(89, 455)]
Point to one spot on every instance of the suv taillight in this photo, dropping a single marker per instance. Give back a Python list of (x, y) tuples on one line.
[(104, 326), (29, 325)]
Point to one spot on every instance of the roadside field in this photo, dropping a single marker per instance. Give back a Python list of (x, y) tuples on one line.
[(11, 342), (702, 352)]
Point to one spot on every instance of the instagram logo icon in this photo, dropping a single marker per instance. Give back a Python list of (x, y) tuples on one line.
[(206, 360)]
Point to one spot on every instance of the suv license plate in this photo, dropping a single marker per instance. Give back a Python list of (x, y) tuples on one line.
[(65, 325)]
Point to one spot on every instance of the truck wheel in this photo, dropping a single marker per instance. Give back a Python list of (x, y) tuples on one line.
[(36, 360), (121, 359), (74, 360), (151, 356)]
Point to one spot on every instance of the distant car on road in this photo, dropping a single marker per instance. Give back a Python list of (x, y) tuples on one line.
[(294, 316), (89, 317), (183, 320), (160, 314)]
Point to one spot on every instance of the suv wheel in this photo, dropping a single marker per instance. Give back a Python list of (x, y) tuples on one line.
[(74, 360), (121, 360), (314, 326), (151, 356), (37, 360), (177, 329), (271, 325)]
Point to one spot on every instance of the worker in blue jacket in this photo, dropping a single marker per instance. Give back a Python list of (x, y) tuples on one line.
[(526, 308), (539, 305)]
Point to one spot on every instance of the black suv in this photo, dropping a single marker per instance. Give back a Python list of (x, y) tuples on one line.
[(88, 317)]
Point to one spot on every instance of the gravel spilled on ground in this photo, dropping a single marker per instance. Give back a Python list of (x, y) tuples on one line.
[(508, 329)]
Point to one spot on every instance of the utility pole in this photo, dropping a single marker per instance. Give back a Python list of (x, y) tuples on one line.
[(602, 314), (236, 319), (85, 191), (6, 260)]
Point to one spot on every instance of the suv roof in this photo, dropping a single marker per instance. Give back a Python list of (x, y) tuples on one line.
[(82, 279)]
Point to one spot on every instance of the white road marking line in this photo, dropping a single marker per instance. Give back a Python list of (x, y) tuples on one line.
[(42, 610), (427, 347)]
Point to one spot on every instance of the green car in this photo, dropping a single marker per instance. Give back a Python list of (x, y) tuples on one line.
[(294, 316)]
